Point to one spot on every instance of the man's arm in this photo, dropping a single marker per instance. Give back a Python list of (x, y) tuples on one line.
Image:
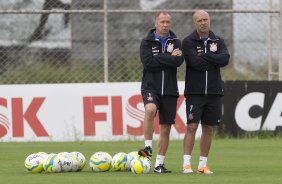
[(220, 59), (149, 62), (193, 59), (175, 59)]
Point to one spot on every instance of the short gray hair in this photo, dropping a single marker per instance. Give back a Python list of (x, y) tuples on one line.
[(161, 12)]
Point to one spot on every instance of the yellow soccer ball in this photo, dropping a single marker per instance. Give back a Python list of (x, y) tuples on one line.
[(141, 165), (100, 162), (48, 162), (119, 161), (130, 156)]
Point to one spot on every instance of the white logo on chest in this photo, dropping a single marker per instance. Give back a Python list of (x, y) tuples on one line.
[(169, 48), (213, 47)]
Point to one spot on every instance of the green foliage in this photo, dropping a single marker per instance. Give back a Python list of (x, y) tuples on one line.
[(262, 134), (220, 133), (125, 70), (244, 72), (47, 72)]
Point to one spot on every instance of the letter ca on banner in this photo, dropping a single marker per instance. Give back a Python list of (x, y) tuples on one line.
[(256, 101), (18, 115)]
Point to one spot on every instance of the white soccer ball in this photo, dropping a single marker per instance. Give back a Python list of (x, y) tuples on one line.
[(119, 161), (81, 158), (100, 161), (75, 162), (34, 163), (56, 168), (130, 156), (62, 162), (141, 165)]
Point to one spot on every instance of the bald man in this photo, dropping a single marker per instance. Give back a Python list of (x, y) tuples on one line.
[(205, 53)]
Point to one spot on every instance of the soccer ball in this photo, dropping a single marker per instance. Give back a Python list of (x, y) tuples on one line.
[(130, 156), (106, 156), (42, 154), (62, 162), (119, 161), (34, 163), (141, 165), (48, 162), (56, 168), (81, 158), (75, 162), (100, 161)]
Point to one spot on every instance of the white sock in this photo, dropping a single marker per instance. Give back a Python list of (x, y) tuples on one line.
[(148, 143), (203, 162), (186, 159), (159, 160)]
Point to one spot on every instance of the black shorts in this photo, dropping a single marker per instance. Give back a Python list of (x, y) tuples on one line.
[(166, 106), (206, 109)]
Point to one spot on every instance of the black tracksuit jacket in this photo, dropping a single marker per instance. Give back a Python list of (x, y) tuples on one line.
[(159, 66), (203, 63)]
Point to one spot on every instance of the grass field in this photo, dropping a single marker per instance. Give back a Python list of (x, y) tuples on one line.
[(251, 161)]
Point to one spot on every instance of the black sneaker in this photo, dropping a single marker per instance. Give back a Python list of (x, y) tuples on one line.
[(161, 169), (146, 152)]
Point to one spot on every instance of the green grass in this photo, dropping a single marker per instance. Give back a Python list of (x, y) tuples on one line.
[(232, 160)]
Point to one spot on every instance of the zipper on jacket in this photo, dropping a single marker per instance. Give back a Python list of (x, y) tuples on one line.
[(206, 87), (163, 73), (162, 82), (163, 51)]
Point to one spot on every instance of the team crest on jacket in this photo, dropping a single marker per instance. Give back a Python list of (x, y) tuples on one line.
[(213, 47), (169, 48)]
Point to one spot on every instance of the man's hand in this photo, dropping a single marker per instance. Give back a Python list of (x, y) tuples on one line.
[(176, 52)]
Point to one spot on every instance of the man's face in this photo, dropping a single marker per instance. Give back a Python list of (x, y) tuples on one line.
[(163, 24), (202, 22)]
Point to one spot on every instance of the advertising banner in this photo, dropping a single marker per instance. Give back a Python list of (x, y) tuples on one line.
[(77, 112), (115, 111), (252, 106)]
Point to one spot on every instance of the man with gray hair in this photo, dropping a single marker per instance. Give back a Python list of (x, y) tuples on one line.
[(160, 54)]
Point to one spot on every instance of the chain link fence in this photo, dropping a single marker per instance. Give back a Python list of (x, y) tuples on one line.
[(85, 41)]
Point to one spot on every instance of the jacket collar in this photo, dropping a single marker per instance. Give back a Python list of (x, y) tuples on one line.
[(194, 35), (156, 36), (151, 36)]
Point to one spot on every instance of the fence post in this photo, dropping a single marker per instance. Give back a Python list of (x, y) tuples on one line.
[(106, 42), (280, 53)]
